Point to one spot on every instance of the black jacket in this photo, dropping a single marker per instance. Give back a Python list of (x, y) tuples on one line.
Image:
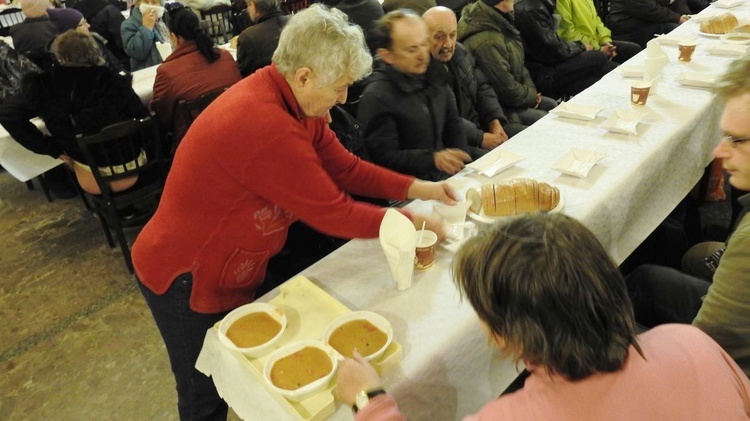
[(475, 99), (256, 44), (628, 15), (105, 20), (406, 119), (33, 34), (364, 13), (535, 21), (73, 100)]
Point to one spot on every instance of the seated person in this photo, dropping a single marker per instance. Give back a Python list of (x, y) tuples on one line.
[(720, 307), (67, 19), (105, 19), (486, 30), (639, 20), (408, 114), (696, 6), (484, 121), (140, 33), (417, 6), (80, 96), (558, 67), (580, 22), (548, 295), (363, 13), (32, 36), (256, 44), (194, 68)]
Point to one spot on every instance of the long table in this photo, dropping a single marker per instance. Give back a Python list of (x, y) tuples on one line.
[(448, 369)]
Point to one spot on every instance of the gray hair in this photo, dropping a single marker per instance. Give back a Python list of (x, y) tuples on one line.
[(266, 6), (735, 81), (74, 48), (323, 40)]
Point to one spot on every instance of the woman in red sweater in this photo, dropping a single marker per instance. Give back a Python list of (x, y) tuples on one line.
[(258, 159)]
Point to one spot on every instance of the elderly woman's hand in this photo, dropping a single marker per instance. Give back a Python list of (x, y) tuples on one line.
[(428, 190), (354, 376), (149, 19)]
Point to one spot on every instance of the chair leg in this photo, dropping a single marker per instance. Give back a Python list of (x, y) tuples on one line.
[(105, 225), (123, 246), (29, 185), (45, 189)]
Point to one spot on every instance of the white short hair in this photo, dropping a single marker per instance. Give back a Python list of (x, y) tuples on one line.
[(323, 40)]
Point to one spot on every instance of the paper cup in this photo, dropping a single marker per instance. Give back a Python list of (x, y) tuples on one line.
[(425, 250), (639, 93), (687, 48)]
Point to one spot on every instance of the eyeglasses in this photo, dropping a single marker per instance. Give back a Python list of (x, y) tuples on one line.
[(734, 140)]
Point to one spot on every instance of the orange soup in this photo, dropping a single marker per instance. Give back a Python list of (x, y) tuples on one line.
[(301, 368), (253, 329), (359, 334)]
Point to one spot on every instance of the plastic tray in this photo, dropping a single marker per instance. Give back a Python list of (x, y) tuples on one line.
[(309, 310)]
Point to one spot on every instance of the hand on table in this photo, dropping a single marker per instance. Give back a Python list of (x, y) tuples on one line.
[(430, 190), (451, 160), (354, 376), (492, 141)]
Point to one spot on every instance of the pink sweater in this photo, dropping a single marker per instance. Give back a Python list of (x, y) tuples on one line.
[(250, 165), (685, 376)]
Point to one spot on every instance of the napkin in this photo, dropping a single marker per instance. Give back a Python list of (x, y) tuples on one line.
[(727, 4), (576, 111), (398, 237), (702, 80), (656, 59), (727, 49), (454, 218), (494, 162)]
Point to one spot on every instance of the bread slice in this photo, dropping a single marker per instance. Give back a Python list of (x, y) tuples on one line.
[(721, 24), (505, 199)]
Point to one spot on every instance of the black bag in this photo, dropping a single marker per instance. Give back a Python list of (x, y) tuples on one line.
[(13, 67)]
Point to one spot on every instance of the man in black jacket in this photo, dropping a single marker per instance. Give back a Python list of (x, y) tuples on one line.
[(105, 20), (558, 67), (485, 124), (639, 20), (256, 44), (408, 113)]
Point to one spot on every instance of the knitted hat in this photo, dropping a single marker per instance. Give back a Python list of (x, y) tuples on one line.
[(35, 8), (65, 19)]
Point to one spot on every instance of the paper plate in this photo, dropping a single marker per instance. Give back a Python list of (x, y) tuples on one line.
[(485, 219), (504, 160), (576, 111), (700, 80), (578, 162), (624, 121)]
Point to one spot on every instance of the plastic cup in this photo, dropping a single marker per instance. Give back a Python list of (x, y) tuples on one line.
[(639, 93), (686, 50), (425, 250)]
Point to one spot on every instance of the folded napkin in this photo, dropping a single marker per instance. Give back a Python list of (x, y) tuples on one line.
[(576, 111), (494, 162), (453, 218), (398, 237), (656, 59), (702, 80), (727, 49), (727, 4), (631, 71)]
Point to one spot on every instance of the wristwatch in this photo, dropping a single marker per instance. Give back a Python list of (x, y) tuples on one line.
[(363, 398)]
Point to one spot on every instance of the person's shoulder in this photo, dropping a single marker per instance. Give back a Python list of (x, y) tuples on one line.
[(676, 333)]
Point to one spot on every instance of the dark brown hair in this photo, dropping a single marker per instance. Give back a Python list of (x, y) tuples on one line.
[(546, 286), (74, 48), (380, 35)]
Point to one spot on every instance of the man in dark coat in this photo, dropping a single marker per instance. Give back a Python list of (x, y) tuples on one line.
[(484, 121), (558, 67), (361, 12), (639, 20), (105, 20), (256, 44), (408, 113)]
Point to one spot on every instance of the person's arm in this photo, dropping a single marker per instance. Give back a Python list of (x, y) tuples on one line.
[(487, 104), (380, 133), (356, 375), (652, 11), (15, 115), (137, 40), (245, 55), (542, 43), (510, 92), (725, 312), (163, 101)]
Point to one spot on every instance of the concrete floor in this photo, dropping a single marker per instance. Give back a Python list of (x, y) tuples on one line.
[(78, 342)]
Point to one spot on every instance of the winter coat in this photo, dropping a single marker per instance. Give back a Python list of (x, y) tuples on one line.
[(33, 34), (106, 20), (495, 43), (140, 42), (256, 44), (406, 119), (543, 47), (628, 15)]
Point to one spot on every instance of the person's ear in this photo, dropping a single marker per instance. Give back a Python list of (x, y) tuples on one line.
[(385, 54), (303, 77)]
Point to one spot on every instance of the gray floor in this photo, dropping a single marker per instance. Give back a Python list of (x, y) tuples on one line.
[(78, 342)]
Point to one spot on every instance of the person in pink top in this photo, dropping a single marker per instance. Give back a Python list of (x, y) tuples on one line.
[(547, 293)]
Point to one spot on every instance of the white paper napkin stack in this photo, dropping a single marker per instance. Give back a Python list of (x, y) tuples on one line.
[(398, 237), (656, 59)]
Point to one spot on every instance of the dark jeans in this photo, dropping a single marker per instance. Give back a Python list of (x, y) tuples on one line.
[(625, 50), (664, 295), (183, 331), (572, 75)]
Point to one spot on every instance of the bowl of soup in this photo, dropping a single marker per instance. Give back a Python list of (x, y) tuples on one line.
[(367, 332), (253, 329), (300, 369)]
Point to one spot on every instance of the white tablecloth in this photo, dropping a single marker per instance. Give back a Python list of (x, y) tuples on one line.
[(448, 370)]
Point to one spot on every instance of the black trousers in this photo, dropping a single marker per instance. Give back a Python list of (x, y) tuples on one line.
[(572, 75)]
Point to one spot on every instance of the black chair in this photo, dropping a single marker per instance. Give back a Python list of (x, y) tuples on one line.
[(104, 152), (189, 110), (602, 9), (218, 23), (8, 18)]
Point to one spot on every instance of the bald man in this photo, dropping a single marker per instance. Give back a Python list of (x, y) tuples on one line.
[(485, 124)]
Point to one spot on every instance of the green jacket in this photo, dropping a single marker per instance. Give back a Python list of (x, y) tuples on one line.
[(580, 22), (725, 312), (496, 45)]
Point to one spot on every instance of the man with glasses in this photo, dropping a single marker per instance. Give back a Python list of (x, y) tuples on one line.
[(720, 307)]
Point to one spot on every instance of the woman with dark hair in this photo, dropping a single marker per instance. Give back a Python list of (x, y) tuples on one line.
[(194, 68), (548, 294)]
